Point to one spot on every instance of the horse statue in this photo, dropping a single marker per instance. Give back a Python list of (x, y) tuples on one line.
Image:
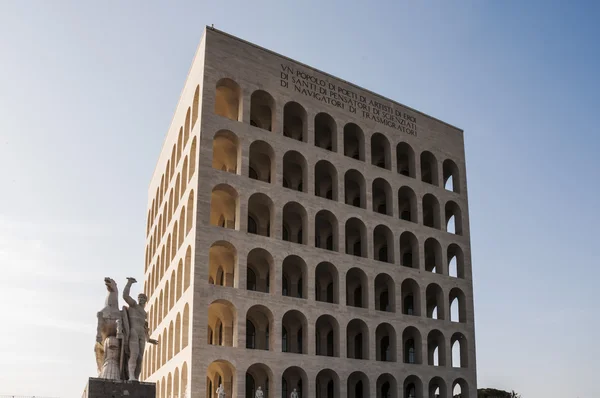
[(109, 319)]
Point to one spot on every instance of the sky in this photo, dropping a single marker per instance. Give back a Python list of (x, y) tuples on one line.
[(88, 90)]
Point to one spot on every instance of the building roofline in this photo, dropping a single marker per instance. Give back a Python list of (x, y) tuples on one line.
[(330, 75)]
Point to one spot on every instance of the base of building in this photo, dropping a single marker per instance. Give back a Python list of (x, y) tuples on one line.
[(101, 388)]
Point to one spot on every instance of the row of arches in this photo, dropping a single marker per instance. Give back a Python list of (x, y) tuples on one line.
[(173, 385), (294, 337), (191, 117), (172, 291), (228, 103), (327, 384), (404, 250), (173, 242), (174, 338), (262, 167), (170, 205), (379, 293)]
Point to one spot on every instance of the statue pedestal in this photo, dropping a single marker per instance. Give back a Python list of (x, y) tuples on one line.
[(101, 388)]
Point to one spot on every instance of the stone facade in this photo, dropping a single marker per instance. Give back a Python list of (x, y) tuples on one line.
[(298, 237)]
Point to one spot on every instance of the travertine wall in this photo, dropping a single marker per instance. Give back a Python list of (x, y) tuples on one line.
[(221, 56)]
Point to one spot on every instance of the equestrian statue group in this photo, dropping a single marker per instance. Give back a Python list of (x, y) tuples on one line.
[(122, 334)]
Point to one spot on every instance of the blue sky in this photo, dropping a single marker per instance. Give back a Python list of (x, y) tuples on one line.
[(87, 92)]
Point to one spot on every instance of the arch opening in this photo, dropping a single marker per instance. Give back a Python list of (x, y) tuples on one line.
[(294, 121), (260, 271), (294, 278), (385, 293), (222, 323), (326, 180), (356, 238), (326, 283), (429, 171), (383, 244), (227, 99), (260, 214), (259, 327), (262, 110), (380, 151), (327, 337), (222, 264), (354, 142), (224, 207), (294, 333), (382, 197), (294, 171), (357, 339), (354, 189), (325, 132), (356, 288), (326, 230), (261, 161), (225, 152), (411, 297), (385, 338), (451, 176), (409, 250)]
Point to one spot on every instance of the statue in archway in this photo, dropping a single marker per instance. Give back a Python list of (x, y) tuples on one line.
[(294, 394), (259, 393), (220, 391)]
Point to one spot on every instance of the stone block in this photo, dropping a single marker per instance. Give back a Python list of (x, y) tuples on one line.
[(101, 388)]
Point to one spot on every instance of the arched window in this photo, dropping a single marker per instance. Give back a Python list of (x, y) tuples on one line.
[(262, 107), (261, 162), (429, 171), (405, 159), (354, 142), (294, 171), (354, 189), (453, 218), (227, 99), (223, 206), (294, 121), (325, 132), (325, 180), (451, 176), (380, 151), (225, 151)]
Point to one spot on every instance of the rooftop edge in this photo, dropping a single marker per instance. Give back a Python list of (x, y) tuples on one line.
[(329, 75)]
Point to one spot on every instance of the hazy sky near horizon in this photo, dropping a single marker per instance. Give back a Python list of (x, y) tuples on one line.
[(88, 90)]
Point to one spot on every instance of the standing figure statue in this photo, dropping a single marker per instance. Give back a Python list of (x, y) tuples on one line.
[(258, 393), (294, 394), (137, 333), (220, 391)]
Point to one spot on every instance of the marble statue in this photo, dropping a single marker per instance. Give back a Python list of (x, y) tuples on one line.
[(220, 391), (294, 394), (108, 319), (258, 393), (138, 330), (121, 335)]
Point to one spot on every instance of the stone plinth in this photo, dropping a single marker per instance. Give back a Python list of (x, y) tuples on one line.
[(101, 388)]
